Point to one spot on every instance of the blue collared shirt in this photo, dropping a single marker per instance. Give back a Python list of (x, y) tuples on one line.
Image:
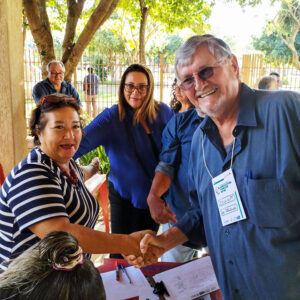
[(257, 258), (128, 177), (174, 158), (45, 87)]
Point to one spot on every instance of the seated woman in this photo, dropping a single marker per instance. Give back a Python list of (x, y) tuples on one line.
[(45, 192), (180, 102), (53, 269)]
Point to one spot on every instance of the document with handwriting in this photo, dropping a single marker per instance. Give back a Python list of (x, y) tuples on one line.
[(122, 289), (190, 280)]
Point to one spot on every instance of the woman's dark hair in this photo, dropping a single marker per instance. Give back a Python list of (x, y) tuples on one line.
[(148, 109), (174, 103), (48, 103), (32, 275)]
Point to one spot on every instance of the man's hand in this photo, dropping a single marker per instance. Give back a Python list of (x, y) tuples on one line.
[(160, 211), (148, 258)]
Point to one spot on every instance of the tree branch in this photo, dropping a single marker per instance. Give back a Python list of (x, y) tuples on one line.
[(39, 25), (74, 12), (98, 17)]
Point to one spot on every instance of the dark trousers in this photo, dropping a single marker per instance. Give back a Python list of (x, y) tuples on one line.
[(125, 218)]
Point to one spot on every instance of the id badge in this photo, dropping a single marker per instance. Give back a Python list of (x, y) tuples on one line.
[(228, 199)]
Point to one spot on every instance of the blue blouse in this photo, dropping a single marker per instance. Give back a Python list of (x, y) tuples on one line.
[(126, 174), (174, 158)]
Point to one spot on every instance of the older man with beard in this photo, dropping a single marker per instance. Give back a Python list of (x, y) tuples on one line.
[(244, 177)]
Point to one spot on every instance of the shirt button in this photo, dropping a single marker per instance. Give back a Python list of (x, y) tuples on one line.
[(230, 262), (227, 231)]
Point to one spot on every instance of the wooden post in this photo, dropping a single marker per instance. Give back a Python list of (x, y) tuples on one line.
[(161, 80), (13, 145)]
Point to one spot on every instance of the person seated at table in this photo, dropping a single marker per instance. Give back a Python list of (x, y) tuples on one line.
[(179, 102), (54, 83), (55, 268), (46, 192)]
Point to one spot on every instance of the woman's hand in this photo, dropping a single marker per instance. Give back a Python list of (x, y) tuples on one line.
[(148, 258), (92, 168)]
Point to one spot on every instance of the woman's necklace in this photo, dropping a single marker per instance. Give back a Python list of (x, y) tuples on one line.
[(72, 176)]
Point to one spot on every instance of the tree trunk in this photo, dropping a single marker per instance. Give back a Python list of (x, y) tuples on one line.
[(40, 28), (98, 17), (74, 12), (144, 15)]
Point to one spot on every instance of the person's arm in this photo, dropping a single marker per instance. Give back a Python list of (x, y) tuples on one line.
[(91, 241), (96, 133), (75, 94), (159, 209)]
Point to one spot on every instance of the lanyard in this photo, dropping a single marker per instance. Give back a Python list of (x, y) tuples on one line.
[(231, 161)]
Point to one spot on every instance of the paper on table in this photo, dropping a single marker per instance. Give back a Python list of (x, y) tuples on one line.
[(119, 290), (190, 280)]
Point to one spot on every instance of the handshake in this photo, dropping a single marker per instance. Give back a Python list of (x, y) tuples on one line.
[(145, 247)]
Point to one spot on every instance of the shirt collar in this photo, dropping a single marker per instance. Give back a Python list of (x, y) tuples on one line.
[(246, 114)]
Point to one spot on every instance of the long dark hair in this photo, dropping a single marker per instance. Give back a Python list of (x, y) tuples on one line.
[(32, 276)]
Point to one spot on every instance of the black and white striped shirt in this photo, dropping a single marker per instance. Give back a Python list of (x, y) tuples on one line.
[(37, 190)]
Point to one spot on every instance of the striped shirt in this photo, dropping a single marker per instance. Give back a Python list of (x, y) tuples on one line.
[(37, 190)]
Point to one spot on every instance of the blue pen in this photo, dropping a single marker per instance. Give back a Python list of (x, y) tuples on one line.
[(249, 175), (117, 271), (125, 273)]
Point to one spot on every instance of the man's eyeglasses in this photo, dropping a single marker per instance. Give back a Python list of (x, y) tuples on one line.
[(57, 74), (203, 74), (142, 88)]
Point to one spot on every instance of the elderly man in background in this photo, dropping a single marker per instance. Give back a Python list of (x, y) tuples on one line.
[(54, 83), (244, 177)]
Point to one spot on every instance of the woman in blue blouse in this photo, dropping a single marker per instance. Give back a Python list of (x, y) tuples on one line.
[(131, 135)]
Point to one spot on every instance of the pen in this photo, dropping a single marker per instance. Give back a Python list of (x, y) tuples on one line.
[(249, 175), (125, 273), (117, 272)]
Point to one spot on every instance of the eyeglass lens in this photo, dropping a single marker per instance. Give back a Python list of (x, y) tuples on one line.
[(204, 74), (131, 87)]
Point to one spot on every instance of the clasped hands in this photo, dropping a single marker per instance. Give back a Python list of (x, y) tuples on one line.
[(149, 249)]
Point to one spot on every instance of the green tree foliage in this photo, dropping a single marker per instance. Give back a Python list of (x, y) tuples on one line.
[(168, 14), (169, 48), (273, 47), (78, 19), (282, 36), (104, 41)]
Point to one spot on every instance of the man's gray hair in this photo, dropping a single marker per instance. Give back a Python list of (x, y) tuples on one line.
[(55, 62), (217, 47)]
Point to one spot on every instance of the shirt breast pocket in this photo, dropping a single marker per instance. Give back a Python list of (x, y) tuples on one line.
[(266, 204)]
